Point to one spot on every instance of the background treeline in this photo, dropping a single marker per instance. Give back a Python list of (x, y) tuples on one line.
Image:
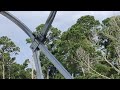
[(89, 49)]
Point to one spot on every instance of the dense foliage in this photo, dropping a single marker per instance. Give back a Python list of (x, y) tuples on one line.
[(89, 49)]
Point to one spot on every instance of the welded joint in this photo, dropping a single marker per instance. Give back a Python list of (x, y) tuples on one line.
[(34, 45), (38, 38)]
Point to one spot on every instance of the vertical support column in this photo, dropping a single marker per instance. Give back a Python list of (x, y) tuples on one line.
[(37, 64)]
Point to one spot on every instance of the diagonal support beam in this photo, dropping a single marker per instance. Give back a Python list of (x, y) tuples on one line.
[(47, 26), (38, 44), (48, 23), (55, 62)]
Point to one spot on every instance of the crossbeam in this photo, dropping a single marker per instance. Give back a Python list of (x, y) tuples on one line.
[(37, 44)]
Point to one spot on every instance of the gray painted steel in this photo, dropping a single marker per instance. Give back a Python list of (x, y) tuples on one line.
[(48, 23), (55, 62), (38, 44), (38, 65), (18, 23)]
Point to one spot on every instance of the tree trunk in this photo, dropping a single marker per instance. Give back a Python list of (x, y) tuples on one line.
[(32, 70), (72, 75), (32, 74), (48, 74), (9, 72), (9, 69), (3, 69), (83, 71), (9, 75), (88, 64)]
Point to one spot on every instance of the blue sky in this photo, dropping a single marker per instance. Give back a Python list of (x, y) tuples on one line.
[(63, 20)]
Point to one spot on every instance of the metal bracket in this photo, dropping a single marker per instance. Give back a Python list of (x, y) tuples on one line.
[(38, 38)]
